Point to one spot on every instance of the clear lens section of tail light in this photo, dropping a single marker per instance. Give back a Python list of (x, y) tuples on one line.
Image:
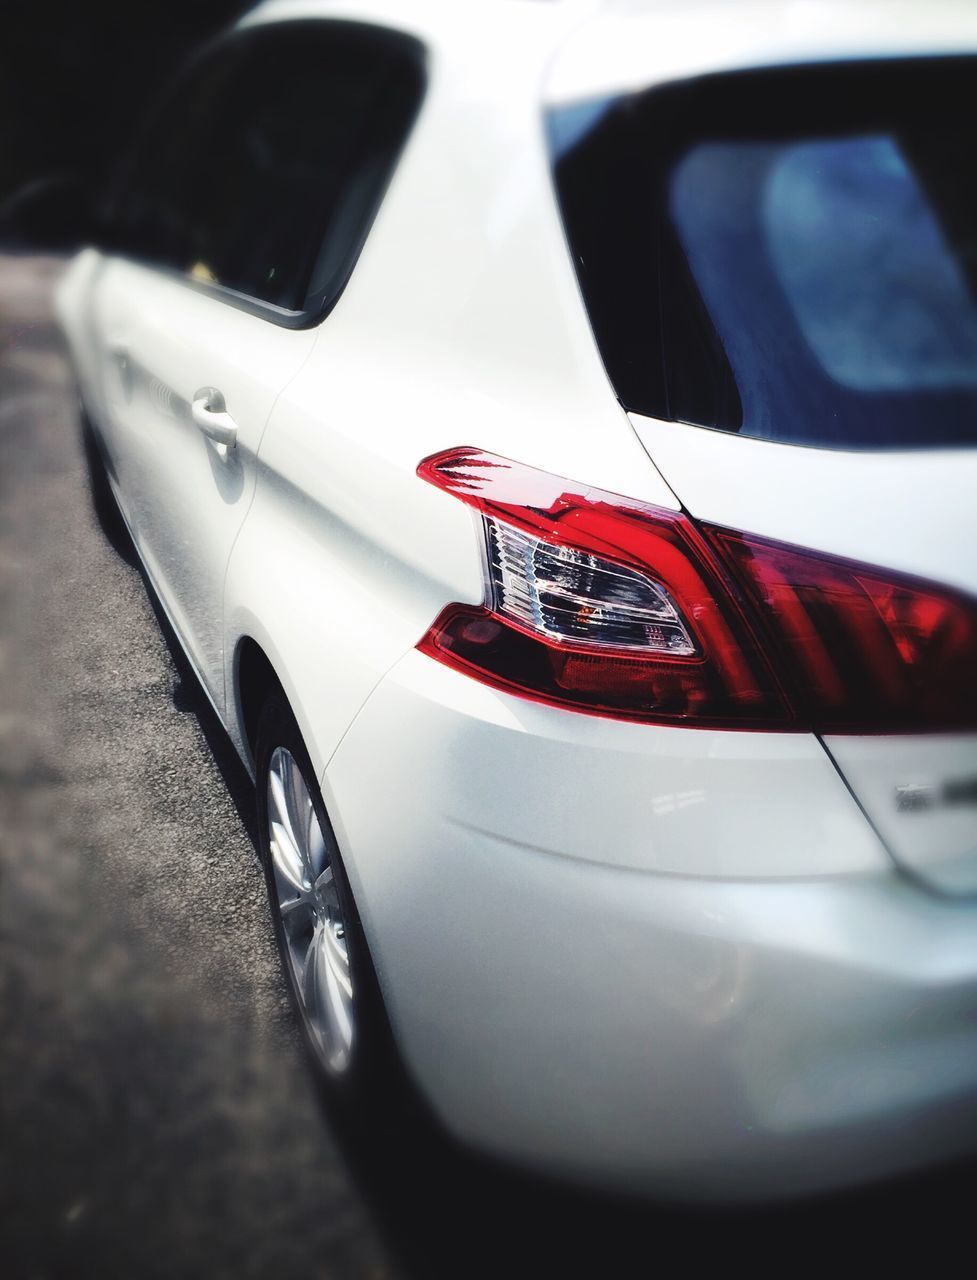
[(577, 598)]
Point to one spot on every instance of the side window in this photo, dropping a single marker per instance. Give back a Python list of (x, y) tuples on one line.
[(152, 211), (265, 173)]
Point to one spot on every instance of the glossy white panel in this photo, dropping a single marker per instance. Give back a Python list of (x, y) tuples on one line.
[(733, 1037), (184, 495), (921, 794), (335, 588), (688, 802), (632, 44), (911, 510), (462, 323)]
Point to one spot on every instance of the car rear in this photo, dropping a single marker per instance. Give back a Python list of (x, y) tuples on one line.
[(785, 303)]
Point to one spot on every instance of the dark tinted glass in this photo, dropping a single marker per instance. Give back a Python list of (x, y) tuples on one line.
[(264, 171), (153, 211), (790, 254)]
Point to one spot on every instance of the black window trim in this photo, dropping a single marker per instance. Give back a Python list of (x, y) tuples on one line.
[(411, 46)]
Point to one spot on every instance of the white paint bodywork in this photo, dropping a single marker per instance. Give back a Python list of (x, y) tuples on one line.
[(653, 958), (680, 959), (184, 497), (911, 511), (631, 44)]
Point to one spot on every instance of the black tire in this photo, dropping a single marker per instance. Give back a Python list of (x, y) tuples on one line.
[(370, 1053)]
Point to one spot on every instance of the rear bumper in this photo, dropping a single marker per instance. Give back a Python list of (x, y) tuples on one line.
[(670, 960)]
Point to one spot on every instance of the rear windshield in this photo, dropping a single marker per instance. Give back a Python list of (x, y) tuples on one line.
[(789, 254)]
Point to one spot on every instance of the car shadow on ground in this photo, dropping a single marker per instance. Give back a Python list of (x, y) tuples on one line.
[(446, 1212), (187, 695)]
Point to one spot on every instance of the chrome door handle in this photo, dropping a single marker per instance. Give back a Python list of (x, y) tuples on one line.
[(209, 412)]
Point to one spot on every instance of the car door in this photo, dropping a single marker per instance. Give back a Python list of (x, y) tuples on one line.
[(189, 375), (206, 311)]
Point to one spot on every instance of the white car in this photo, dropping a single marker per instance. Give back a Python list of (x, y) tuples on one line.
[(550, 431)]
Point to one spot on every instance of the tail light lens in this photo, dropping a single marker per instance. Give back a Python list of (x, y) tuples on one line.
[(598, 603), (865, 651), (612, 606)]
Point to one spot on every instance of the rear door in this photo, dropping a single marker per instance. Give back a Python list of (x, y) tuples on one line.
[(236, 227), (787, 304)]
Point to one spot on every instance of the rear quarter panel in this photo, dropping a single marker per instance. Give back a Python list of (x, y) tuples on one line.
[(461, 324)]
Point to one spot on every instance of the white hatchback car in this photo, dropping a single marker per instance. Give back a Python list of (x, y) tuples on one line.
[(550, 431)]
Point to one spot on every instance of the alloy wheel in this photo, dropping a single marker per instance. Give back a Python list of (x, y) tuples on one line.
[(313, 924)]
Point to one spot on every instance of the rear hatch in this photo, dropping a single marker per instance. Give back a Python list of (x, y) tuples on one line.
[(780, 267)]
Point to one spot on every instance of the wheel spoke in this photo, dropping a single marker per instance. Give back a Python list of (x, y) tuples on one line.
[(277, 804), (286, 858), (299, 811), (337, 959), (316, 844), (334, 993), (309, 981)]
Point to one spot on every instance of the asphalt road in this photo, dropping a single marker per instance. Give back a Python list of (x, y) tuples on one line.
[(157, 1117)]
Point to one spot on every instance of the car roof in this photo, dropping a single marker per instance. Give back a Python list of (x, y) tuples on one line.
[(591, 48)]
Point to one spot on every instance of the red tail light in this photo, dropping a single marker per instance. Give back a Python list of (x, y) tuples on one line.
[(612, 606), (864, 650)]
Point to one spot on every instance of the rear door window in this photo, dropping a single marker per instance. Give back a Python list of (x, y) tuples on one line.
[(263, 174), (789, 254)]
